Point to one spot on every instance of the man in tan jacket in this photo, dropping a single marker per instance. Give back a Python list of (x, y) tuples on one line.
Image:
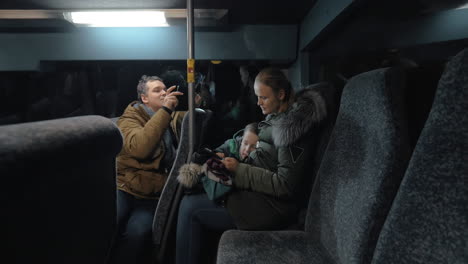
[(150, 129)]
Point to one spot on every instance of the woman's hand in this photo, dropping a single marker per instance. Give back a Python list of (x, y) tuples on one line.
[(230, 164)]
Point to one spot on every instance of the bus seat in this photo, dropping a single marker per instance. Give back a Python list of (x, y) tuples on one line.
[(171, 195), (59, 195), (115, 119), (331, 95), (358, 178), (39, 110), (428, 219), (10, 119), (68, 99)]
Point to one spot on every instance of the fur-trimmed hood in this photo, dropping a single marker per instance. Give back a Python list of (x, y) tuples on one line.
[(189, 174), (308, 109)]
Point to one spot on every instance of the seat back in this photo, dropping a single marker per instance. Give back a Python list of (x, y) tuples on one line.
[(167, 204), (206, 124), (428, 219), (362, 167), (332, 95), (115, 119), (60, 190)]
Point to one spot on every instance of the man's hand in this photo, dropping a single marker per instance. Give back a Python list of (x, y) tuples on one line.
[(198, 100), (230, 164), (220, 154), (170, 100)]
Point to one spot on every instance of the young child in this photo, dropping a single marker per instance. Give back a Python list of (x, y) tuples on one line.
[(245, 148), (239, 147)]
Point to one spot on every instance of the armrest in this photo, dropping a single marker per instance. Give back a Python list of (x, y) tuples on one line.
[(269, 247)]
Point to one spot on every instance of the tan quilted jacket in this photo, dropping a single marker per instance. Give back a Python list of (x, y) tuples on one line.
[(138, 164)]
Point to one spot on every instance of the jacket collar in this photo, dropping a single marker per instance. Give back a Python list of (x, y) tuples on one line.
[(148, 110), (308, 109)]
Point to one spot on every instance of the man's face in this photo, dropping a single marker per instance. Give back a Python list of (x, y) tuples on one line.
[(155, 93), (249, 141), (268, 101)]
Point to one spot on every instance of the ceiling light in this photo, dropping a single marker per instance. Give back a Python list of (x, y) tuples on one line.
[(463, 6), (117, 18)]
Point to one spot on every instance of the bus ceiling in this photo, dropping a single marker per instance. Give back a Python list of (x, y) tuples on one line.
[(224, 30)]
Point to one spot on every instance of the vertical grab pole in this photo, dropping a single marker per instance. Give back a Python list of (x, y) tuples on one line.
[(190, 75)]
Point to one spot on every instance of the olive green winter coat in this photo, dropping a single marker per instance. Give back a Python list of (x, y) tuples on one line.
[(269, 198)]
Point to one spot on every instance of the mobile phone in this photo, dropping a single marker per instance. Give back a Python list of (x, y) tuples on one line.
[(211, 153)]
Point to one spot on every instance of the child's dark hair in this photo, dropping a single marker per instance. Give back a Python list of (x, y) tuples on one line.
[(252, 127)]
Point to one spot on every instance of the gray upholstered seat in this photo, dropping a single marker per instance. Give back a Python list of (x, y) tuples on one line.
[(171, 194), (356, 183), (428, 222), (59, 190), (332, 95), (114, 119)]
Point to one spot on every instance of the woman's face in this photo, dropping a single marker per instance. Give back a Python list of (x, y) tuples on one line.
[(268, 101), (249, 141)]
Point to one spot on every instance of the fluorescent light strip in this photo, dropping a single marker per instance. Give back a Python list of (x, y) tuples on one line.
[(118, 18)]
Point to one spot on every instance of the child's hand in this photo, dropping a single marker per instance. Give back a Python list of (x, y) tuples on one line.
[(220, 154), (230, 164)]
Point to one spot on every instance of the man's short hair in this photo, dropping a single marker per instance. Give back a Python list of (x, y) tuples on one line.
[(142, 88)]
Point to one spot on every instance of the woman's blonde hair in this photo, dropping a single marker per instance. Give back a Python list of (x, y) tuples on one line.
[(275, 79)]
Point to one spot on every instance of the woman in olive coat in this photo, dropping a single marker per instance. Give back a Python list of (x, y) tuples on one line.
[(262, 199)]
